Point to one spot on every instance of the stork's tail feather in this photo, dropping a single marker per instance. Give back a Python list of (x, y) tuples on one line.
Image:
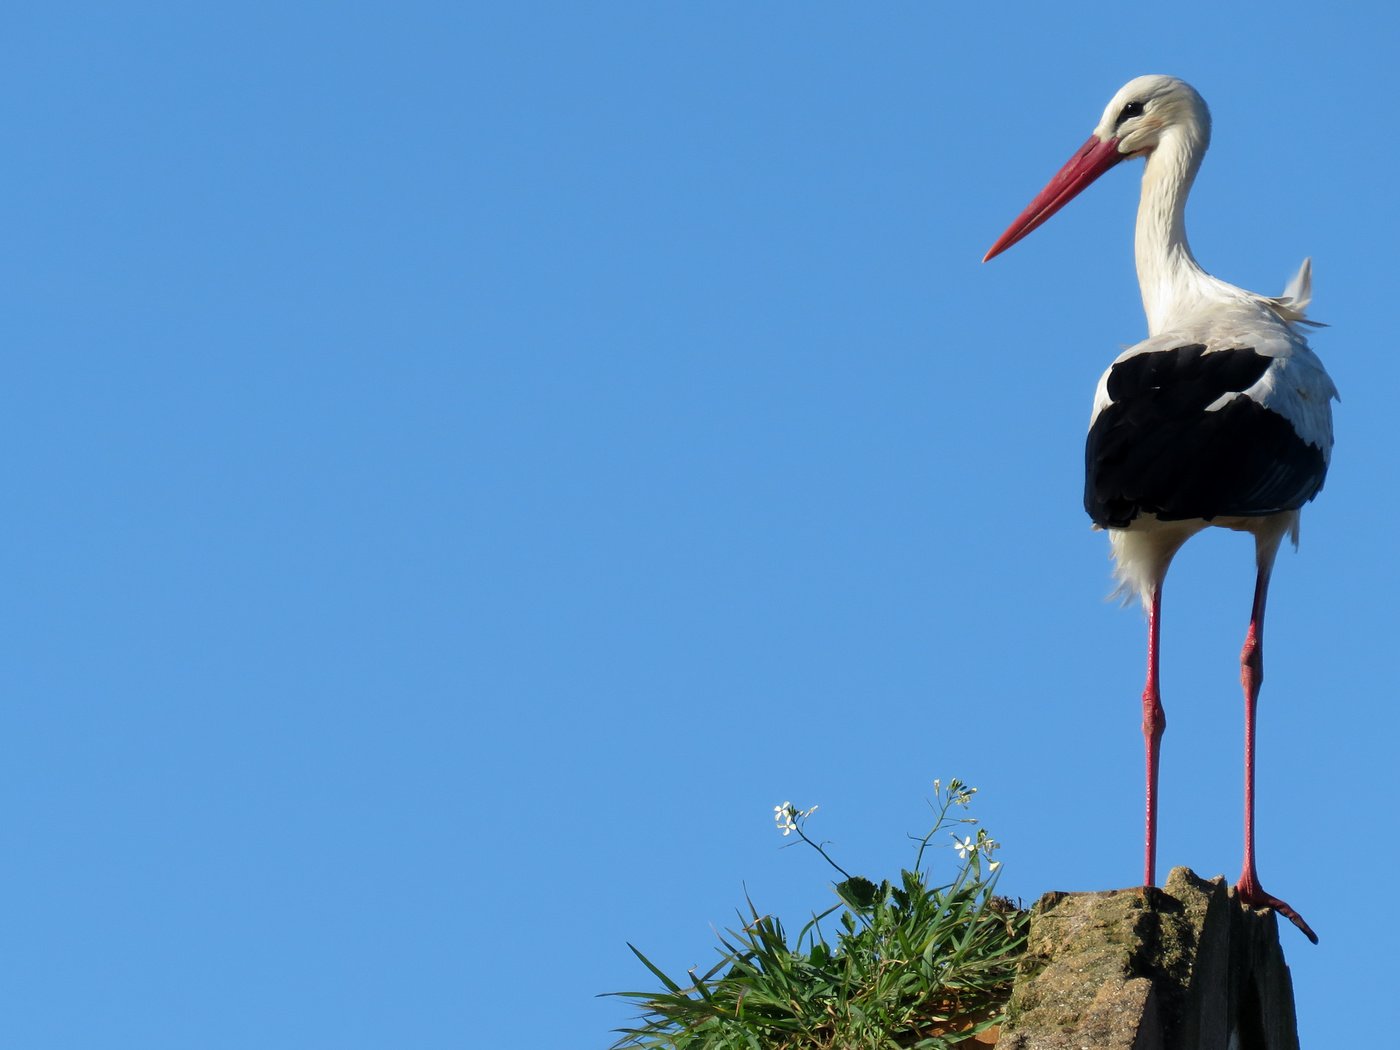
[(1292, 305), (1299, 290)]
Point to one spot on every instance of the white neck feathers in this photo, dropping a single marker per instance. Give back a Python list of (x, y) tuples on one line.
[(1171, 280)]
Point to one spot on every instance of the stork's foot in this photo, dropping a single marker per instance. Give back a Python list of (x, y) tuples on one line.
[(1253, 894)]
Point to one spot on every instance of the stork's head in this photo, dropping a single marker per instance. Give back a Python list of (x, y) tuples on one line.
[(1148, 108), (1144, 113)]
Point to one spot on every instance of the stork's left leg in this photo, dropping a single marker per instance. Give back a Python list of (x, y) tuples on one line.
[(1252, 677)]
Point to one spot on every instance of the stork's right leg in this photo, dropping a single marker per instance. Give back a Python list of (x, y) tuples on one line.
[(1154, 722), (1252, 677)]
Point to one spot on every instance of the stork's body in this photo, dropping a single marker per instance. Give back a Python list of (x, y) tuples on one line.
[(1222, 417)]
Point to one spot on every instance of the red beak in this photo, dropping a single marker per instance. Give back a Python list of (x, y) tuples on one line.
[(1089, 162)]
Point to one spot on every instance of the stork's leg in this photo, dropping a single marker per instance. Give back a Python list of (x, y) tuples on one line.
[(1252, 677), (1154, 721)]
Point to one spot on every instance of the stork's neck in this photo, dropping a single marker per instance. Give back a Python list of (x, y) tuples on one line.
[(1171, 280)]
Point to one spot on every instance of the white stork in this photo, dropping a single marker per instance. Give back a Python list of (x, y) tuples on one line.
[(1221, 417)]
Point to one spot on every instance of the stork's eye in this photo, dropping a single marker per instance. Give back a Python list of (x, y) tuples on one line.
[(1132, 109)]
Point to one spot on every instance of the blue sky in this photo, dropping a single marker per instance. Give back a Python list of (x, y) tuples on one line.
[(466, 465)]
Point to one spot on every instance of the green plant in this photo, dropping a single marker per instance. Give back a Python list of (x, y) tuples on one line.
[(911, 965)]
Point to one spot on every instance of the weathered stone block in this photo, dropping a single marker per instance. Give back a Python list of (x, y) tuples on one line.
[(1185, 967)]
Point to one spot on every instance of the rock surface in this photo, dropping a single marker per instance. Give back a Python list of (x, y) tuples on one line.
[(1185, 967)]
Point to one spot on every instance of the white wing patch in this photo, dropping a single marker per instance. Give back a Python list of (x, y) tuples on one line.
[(1223, 400)]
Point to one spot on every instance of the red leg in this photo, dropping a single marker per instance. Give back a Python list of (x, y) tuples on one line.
[(1252, 677), (1154, 721)]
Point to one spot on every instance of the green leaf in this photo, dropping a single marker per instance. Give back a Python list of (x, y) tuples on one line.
[(670, 984), (858, 893)]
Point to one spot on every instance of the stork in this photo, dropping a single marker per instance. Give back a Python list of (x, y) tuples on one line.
[(1221, 417)]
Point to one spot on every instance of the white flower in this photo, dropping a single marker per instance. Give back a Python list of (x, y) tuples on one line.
[(787, 815), (994, 865), (782, 816), (965, 847)]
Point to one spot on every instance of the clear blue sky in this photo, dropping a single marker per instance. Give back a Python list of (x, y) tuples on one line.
[(466, 465)]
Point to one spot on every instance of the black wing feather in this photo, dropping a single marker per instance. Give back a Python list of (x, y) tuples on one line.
[(1155, 449)]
